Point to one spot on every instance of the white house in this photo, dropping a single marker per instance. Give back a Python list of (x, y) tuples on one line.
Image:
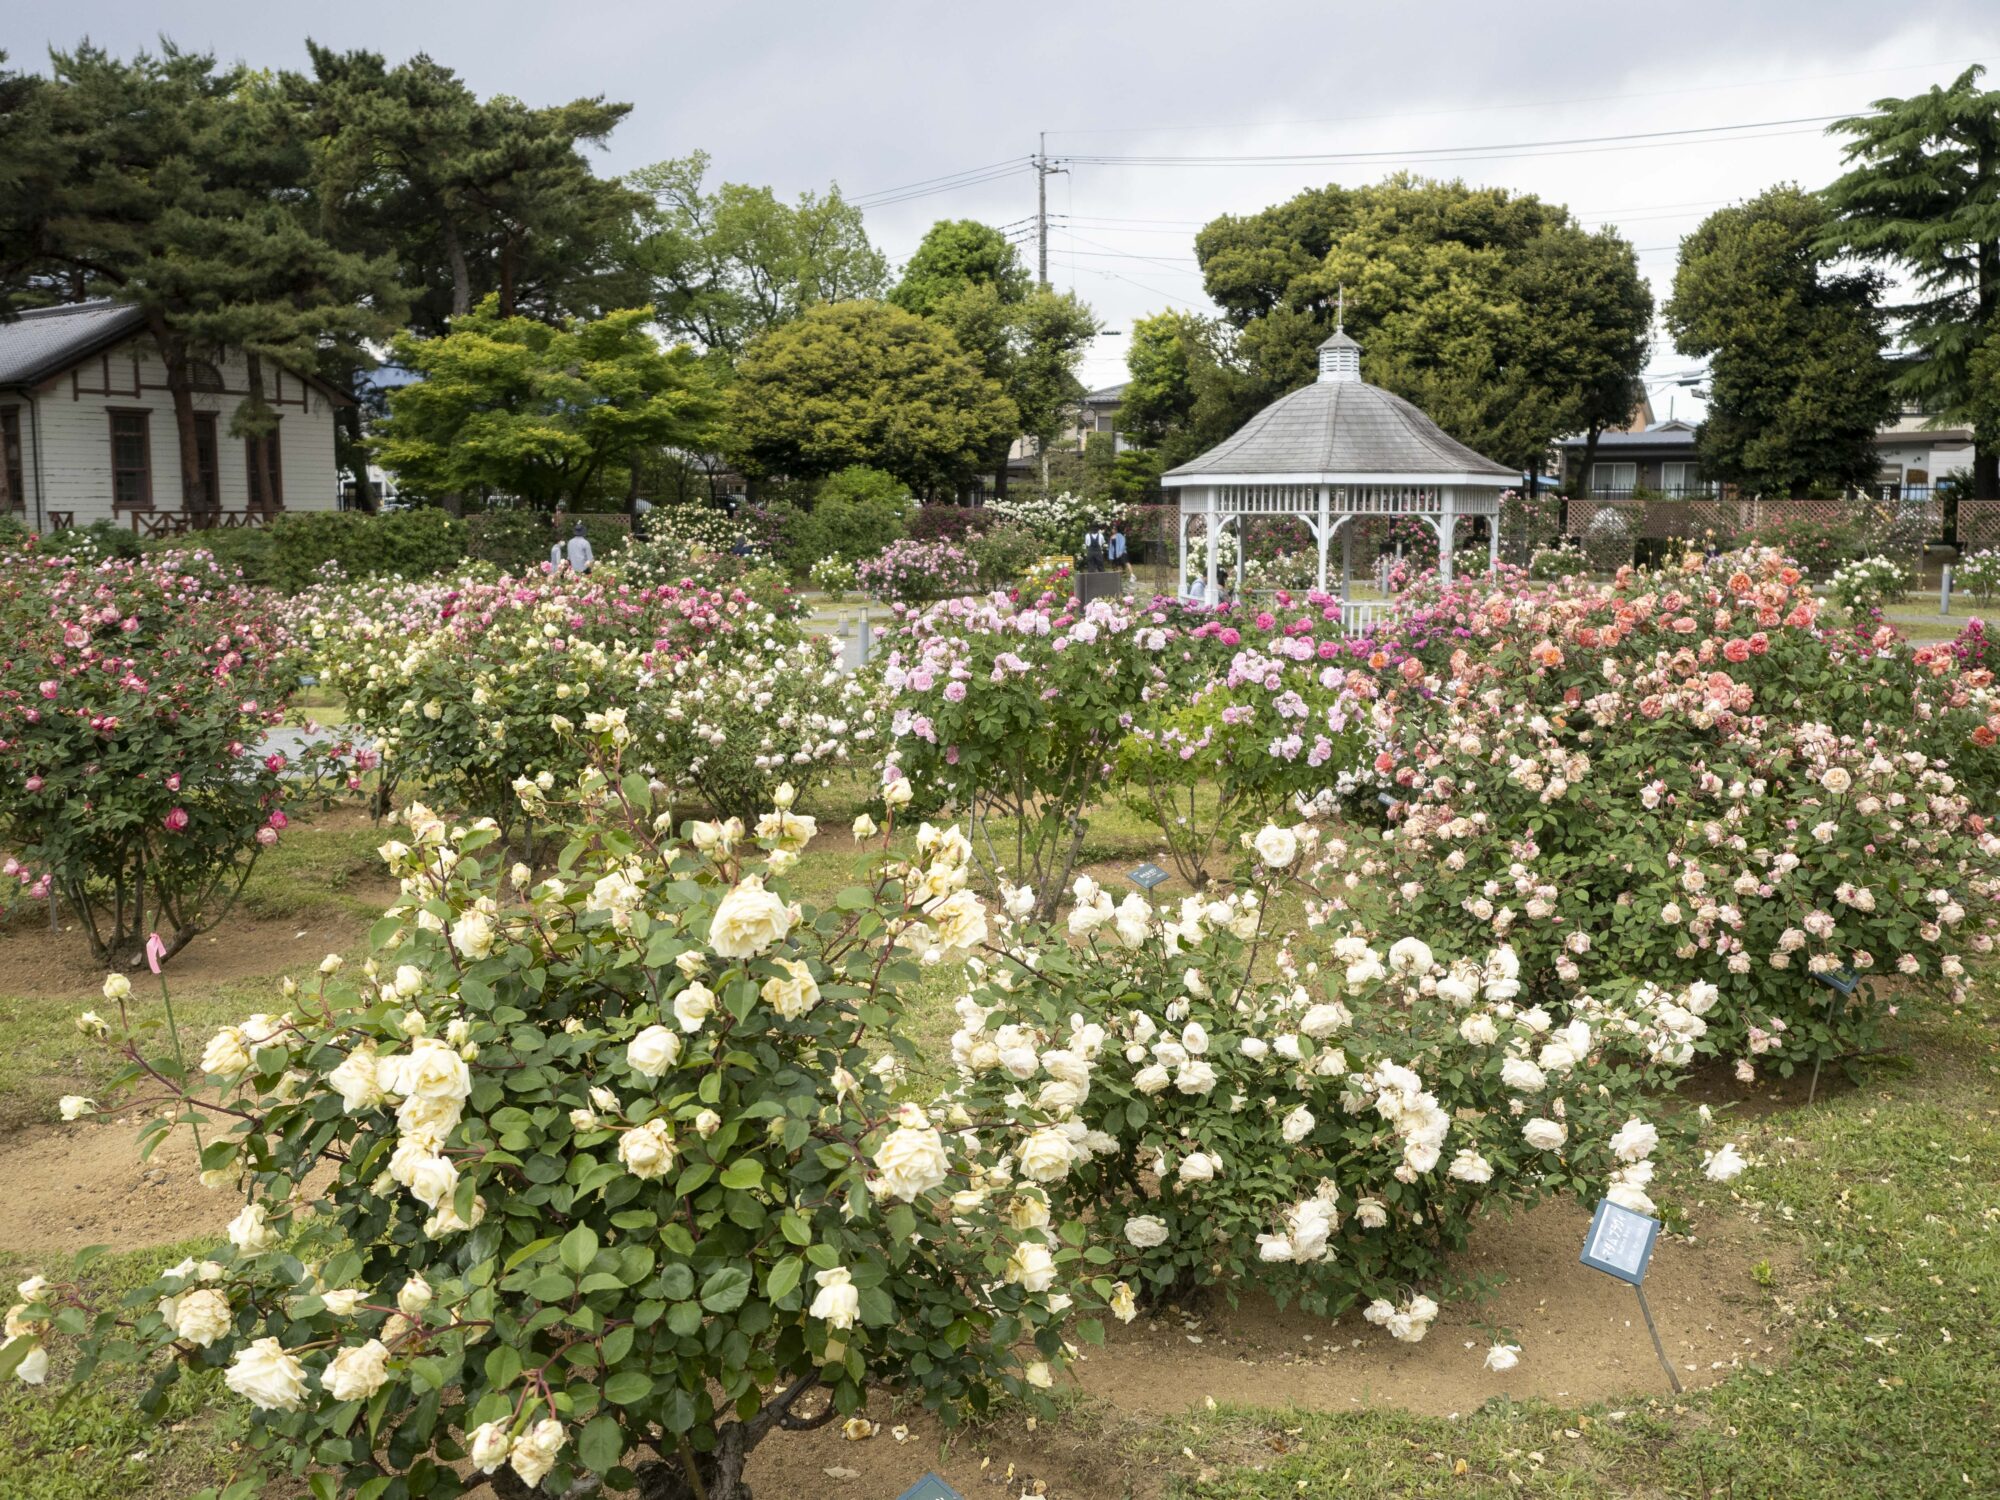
[(87, 429)]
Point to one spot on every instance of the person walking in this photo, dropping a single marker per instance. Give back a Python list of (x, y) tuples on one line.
[(580, 555), (1118, 546)]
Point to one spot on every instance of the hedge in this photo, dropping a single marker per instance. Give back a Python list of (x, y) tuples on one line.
[(414, 543)]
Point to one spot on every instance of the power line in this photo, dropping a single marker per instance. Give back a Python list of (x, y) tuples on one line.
[(1324, 158), (1012, 161), (1542, 103), (950, 187)]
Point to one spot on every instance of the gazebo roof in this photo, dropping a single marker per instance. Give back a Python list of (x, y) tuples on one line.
[(1338, 426)]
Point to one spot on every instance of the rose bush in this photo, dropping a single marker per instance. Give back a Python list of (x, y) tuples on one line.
[(913, 572), (1230, 1103), (613, 1176), (1681, 778), (134, 697)]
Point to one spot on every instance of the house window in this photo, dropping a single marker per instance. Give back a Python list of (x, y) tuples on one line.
[(272, 463), (131, 460), (10, 450), (1607, 479), (205, 455), (1681, 479)]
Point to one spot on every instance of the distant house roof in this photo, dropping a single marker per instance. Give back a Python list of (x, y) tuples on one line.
[(45, 341), (1661, 436), (1110, 395)]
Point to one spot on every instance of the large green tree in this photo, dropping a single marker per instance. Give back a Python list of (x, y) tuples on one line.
[(728, 264), (1494, 312), (865, 383), (475, 197), (1187, 391), (1922, 196), (1029, 338), (519, 407), (184, 190), (1797, 381)]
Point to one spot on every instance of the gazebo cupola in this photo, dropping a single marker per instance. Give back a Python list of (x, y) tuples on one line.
[(1330, 453)]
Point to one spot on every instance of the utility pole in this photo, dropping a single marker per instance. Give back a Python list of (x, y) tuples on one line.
[(1042, 207)]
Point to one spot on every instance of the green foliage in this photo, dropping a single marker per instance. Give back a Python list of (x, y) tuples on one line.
[(1817, 543), (514, 406), (955, 254), (725, 266), (95, 542), (1003, 552), (1867, 586), (249, 550), (855, 513), (865, 383), (416, 543), (1798, 385), (1495, 314)]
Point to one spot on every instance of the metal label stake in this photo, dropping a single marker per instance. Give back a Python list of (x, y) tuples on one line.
[(1842, 982), (1620, 1244)]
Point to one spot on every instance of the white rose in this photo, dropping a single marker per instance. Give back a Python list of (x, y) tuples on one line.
[(1470, 1166), (1194, 1077), (1032, 1266), (912, 1161), (1197, 1166), (1276, 846), (355, 1081), (430, 1070), (1297, 1125), (647, 1152), (1410, 956), (1144, 1231), (535, 1451), (1046, 1155), (1254, 1048), (341, 1301), (472, 934), (838, 1303), (433, 1180), (748, 920), (1725, 1165), (793, 995), (415, 1296), (358, 1373), (694, 1005), (1544, 1135), (1479, 1029), (491, 1443), (249, 1233), (226, 1055), (1503, 1357), (1519, 1073), (653, 1051), (33, 1368), (1634, 1141), (267, 1377), (1150, 1079), (960, 922), (117, 987), (201, 1316), (75, 1106)]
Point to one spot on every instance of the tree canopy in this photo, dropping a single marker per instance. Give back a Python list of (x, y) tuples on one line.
[(1187, 390), (726, 265), (1797, 380), (1495, 313), (516, 406), (1922, 194), (865, 383), (956, 254)]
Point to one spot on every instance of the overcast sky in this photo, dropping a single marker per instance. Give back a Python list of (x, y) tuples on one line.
[(880, 95)]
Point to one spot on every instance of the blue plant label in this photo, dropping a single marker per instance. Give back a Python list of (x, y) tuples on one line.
[(930, 1487), (1147, 875), (1620, 1242), (1843, 980)]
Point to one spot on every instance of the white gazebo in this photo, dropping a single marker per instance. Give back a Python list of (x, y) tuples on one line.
[(1330, 453)]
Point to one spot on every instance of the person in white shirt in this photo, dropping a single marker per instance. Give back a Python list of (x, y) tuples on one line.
[(580, 555)]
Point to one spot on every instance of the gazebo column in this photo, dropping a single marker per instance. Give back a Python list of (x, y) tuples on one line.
[(1181, 580), (1214, 544), (1346, 558), (1493, 541), (1242, 548), (1322, 536), (1447, 529)]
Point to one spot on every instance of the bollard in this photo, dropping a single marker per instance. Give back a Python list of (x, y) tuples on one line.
[(1944, 590)]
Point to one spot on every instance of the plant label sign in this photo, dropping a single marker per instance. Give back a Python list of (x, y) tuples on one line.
[(1147, 875), (930, 1487), (1843, 980), (1620, 1242)]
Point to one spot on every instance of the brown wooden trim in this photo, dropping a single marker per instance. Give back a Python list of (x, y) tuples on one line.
[(112, 414)]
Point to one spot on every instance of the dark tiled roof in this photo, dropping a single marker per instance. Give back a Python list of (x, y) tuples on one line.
[(45, 340), (1342, 427), (1110, 395), (1663, 438)]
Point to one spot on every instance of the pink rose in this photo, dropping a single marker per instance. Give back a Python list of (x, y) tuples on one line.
[(278, 818), (176, 820), (174, 782), (50, 688), (33, 783), (267, 836)]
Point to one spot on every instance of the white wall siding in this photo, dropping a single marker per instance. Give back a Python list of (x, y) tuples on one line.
[(75, 421)]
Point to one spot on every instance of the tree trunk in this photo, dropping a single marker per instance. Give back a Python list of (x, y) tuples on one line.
[(364, 487), (507, 277), (1591, 435), (181, 389), (261, 492), (461, 277)]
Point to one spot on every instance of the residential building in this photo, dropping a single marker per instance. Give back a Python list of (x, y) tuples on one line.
[(88, 433), (1095, 412), (1656, 459), (1911, 458)]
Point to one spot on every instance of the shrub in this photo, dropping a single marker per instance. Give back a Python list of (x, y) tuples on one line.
[(1564, 560), (1607, 540), (133, 697), (832, 577), (1816, 542), (518, 541), (95, 543), (908, 572), (248, 550), (1978, 574), (947, 523), (1003, 553), (1058, 521), (605, 1176), (855, 513), (1867, 587), (413, 543), (728, 726), (1327, 1133)]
